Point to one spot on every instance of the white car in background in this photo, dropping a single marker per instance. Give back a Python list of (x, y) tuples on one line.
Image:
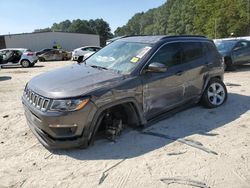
[(81, 52), (18, 56)]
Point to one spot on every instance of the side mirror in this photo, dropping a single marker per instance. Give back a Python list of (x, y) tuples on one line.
[(156, 67)]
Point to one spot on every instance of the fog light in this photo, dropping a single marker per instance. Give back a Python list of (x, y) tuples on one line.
[(63, 126)]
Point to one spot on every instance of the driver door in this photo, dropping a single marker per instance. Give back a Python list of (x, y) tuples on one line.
[(241, 52), (6, 56), (164, 91)]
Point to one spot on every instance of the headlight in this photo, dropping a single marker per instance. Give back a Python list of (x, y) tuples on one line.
[(68, 105)]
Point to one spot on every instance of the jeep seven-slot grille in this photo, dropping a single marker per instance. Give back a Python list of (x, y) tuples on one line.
[(36, 100)]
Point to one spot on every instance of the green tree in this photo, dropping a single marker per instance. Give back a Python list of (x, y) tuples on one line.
[(98, 26), (213, 18)]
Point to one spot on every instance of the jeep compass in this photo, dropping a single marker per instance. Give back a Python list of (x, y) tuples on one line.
[(131, 81)]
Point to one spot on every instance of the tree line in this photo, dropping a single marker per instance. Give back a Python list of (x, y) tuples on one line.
[(213, 18), (97, 26)]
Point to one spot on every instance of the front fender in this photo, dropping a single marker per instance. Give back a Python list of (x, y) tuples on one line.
[(99, 114)]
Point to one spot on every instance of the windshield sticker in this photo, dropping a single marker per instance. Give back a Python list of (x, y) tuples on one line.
[(134, 59), (143, 52)]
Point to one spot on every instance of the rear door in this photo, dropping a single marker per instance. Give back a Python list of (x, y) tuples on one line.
[(241, 52), (16, 56), (49, 55), (58, 55), (164, 91), (194, 57)]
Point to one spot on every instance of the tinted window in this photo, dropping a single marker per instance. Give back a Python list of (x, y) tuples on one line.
[(170, 55), (242, 44), (191, 51), (212, 50), (88, 49), (96, 49)]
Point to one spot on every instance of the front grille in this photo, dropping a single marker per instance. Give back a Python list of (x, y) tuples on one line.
[(36, 100)]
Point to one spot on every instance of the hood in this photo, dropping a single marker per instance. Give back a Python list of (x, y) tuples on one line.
[(72, 81), (224, 52)]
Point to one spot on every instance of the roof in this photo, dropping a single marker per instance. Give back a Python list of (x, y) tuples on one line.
[(89, 47), (156, 38), (20, 49), (232, 40), (47, 32)]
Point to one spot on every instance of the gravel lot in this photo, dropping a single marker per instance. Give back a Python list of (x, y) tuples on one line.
[(202, 147)]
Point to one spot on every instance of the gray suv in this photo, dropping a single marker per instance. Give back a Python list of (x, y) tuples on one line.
[(131, 81), (234, 52)]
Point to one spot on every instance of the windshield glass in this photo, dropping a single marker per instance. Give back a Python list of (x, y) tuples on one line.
[(119, 56), (225, 45)]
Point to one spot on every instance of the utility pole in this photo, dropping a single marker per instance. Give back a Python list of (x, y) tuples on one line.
[(248, 16), (215, 28)]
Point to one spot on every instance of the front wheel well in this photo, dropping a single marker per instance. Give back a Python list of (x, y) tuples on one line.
[(217, 77), (126, 112)]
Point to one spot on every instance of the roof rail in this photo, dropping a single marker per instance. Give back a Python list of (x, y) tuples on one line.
[(195, 36)]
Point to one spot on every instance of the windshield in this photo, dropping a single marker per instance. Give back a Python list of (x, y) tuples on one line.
[(225, 45), (119, 56)]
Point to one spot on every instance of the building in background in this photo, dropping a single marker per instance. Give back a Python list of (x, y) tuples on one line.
[(38, 41)]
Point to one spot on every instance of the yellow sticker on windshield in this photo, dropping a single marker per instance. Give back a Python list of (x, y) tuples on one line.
[(143, 52), (134, 60)]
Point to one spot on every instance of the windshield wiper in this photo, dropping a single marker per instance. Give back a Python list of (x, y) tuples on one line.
[(99, 67)]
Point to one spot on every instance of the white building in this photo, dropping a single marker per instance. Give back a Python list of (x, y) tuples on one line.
[(38, 41)]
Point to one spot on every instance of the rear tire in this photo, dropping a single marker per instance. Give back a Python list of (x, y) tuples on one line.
[(215, 94), (25, 63), (41, 59)]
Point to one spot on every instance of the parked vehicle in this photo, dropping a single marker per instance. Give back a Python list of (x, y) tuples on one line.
[(43, 51), (55, 55), (18, 56), (234, 52), (130, 81), (81, 52)]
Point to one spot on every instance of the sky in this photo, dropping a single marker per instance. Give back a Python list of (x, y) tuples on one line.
[(21, 16)]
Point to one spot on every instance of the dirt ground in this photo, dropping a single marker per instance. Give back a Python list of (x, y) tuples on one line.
[(195, 148)]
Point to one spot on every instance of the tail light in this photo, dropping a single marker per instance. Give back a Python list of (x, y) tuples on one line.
[(30, 54)]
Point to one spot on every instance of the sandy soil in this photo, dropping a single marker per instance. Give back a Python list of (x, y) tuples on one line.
[(200, 147)]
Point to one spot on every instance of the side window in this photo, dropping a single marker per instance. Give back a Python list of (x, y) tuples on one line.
[(191, 51), (169, 55), (212, 50), (88, 49), (240, 45)]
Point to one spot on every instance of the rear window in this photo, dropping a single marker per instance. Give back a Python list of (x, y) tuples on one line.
[(212, 50)]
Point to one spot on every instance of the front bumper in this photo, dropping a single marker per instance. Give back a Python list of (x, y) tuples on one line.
[(56, 137)]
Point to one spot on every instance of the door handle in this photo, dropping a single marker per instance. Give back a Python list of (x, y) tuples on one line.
[(179, 73)]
